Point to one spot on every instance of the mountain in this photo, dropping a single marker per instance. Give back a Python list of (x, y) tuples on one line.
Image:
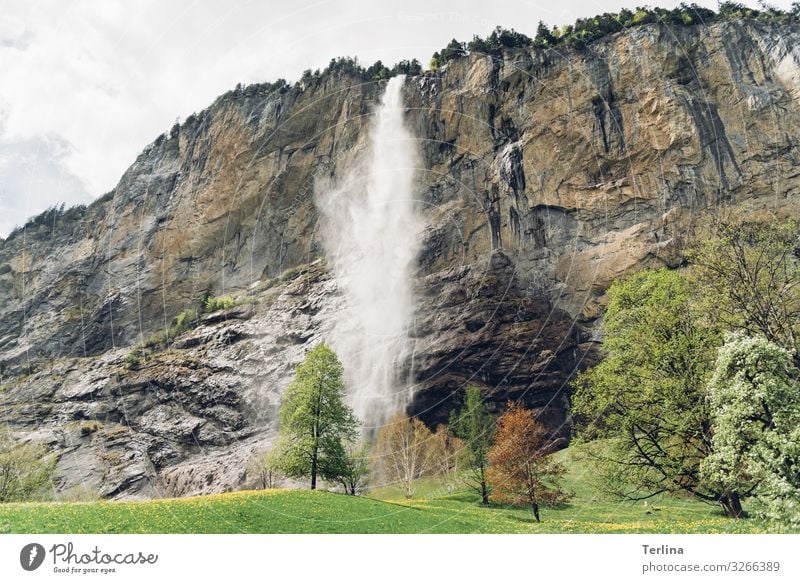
[(547, 173)]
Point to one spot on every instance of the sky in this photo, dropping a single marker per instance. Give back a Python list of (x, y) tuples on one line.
[(86, 85)]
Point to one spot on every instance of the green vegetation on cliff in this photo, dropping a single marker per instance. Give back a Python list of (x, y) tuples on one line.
[(586, 30)]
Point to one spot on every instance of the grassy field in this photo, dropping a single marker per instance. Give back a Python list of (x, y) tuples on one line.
[(432, 510)]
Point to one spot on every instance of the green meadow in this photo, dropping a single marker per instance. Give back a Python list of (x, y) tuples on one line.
[(432, 510)]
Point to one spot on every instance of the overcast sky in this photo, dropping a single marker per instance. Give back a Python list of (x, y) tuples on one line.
[(85, 85)]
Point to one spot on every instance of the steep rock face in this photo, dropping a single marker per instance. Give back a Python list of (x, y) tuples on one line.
[(545, 174)]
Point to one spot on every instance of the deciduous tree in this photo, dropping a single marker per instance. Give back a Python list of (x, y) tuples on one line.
[(403, 451), (522, 469), (749, 276), (647, 396), (354, 474), (265, 468), (446, 450), (755, 399), (315, 422)]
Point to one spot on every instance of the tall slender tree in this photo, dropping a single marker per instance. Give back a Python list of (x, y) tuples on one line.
[(354, 474), (315, 422), (446, 452), (475, 427)]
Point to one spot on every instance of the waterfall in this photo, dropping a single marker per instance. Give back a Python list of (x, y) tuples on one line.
[(370, 233)]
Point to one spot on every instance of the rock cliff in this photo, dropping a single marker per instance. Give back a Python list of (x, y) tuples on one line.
[(545, 174)]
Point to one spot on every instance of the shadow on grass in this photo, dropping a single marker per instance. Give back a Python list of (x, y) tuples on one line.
[(461, 497), (523, 519)]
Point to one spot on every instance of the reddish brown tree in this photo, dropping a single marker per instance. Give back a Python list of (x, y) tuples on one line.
[(521, 467)]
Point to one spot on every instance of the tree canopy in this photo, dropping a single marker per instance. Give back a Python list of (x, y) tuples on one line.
[(751, 277), (586, 30)]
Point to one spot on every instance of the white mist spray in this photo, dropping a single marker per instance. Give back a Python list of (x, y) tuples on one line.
[(371, 234)]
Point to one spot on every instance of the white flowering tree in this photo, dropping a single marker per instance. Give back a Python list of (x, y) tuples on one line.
[(754, 395)]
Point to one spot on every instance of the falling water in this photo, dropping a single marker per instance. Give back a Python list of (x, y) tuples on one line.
[(371, 234)]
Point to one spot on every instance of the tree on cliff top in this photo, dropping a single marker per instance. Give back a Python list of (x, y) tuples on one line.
[(315, 422), (522, 469)]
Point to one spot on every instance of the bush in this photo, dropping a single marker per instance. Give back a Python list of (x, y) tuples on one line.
[(221, 303), (185, 320), (292, 272), (89, 427), (26, 470), (132, 360)]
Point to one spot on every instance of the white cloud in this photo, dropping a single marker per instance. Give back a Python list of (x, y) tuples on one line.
[(87, 84)]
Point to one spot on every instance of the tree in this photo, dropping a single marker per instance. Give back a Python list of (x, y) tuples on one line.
[(26, 470), (446, 450), (453, 50), (265, 468), (473, 424), (355, 469), (403, 451), (750, 276), (377, 72), (406, 67), (314, 420), (544, 37), (522, 469), (647, 396), (755, 398), (736, 10)]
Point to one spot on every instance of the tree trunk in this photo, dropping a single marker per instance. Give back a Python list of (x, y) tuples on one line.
[(484, 488), (314, 470), (732, 505), (534, 505)]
